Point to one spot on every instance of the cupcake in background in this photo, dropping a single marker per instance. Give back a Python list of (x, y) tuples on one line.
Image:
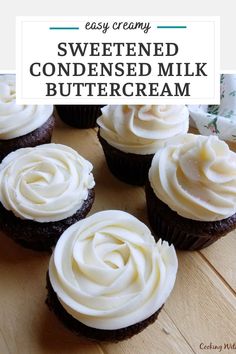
[(191, 192), (79, 116), (43, 190), (108, 279), (131, 134), (21, 125)]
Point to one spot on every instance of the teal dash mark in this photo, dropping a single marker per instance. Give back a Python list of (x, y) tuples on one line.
[(171, 27), (64, 28)]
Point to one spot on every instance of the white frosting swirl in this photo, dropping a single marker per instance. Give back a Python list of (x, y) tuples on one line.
[(196, 177), (18, 120), (109, 273), (142, 129), (46, 183)]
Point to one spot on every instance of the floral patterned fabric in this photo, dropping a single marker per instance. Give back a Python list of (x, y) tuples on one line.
[(218, 119)]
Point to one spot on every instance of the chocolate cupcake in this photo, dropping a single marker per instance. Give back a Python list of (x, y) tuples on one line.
[(79, 116), (43, 190), (108, 279), (130, 136), (21, 125), (191, 192)]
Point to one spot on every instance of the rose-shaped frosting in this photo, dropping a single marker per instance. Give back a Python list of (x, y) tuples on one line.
[(196, 177), (109, 273), (17, 120), (46, 183), (142, 129)]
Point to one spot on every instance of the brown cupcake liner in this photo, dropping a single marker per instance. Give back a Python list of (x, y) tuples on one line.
[(93, 334), (40, 236), (183, 233), (79, 116), (39, 136), (128, 167)]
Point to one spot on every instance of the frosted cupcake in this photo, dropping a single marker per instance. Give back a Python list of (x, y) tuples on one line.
[(21, 125), (191, 193), (130, 136), (43, 190), (108, 279)]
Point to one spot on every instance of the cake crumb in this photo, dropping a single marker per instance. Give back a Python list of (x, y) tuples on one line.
[(165, 331)]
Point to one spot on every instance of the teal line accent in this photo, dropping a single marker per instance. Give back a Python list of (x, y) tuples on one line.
[(64, 28), (171, 26)]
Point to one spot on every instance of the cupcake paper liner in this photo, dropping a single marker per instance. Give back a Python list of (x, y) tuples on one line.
[(129, 168), (39, 136), (93, 334), (79, 116), (183, 233), (40, 236)]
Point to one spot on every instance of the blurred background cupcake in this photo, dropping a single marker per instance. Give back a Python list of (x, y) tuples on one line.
[(131, 134), (191, 192), (79, 116), (21, 125), (219, 119)]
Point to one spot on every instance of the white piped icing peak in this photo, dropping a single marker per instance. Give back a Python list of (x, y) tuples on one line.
[(18, 120), (196, 177), (142, 129), (45, 183), (109, 273)]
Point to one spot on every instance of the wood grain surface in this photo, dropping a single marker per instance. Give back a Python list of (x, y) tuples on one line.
[(199, 316)]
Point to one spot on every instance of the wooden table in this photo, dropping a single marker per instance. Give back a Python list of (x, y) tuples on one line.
[(201, 310)]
